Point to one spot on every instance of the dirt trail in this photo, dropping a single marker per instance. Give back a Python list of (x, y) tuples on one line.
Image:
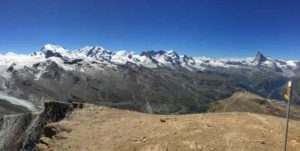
[(107, 129)]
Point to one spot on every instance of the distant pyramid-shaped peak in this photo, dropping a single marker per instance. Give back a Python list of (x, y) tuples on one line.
[(259, 58)]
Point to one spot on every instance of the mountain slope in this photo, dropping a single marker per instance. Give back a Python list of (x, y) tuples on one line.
[(8, 108), (154, 81), (102, 129), (248, 102)]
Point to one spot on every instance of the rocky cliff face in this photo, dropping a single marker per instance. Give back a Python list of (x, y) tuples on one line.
[(22, 131)]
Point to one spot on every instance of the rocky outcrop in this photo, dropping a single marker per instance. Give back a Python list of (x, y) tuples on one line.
[(12, 127), (22, 131), (55, 111)]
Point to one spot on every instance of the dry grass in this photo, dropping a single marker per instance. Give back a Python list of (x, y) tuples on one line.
[(106, 129)]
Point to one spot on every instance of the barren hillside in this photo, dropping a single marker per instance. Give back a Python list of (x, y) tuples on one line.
[(249, 102), (106, 129)]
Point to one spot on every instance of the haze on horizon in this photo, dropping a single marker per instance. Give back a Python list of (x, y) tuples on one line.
[(215, 29)]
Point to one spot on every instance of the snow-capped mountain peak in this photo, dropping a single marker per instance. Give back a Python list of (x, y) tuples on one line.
[(92, 51), (53, 50), (95, 56), (163, 58), (259, 58), (96, 52)]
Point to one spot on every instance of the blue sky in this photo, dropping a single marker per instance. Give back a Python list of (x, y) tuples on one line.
[(213, 28)]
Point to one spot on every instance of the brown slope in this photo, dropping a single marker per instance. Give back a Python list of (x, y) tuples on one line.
[(106, 129), (249, 102)]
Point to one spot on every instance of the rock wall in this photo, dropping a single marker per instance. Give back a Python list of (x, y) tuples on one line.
[(22, 131)]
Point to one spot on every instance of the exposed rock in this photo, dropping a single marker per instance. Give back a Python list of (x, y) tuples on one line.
[(22, 132), (259, 58), (10, 68), (50, 131), (163, 120), (73, 61), (55, 111), (77, 105), (41, 147), (45, 140)]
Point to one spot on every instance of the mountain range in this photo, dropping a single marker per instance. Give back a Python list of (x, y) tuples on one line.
[(149, 59), (153, 82)]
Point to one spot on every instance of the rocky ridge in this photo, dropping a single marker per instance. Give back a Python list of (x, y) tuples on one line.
[(22, 131)]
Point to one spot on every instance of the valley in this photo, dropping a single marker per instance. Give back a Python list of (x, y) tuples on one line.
[(161, 82), (149, 75)]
